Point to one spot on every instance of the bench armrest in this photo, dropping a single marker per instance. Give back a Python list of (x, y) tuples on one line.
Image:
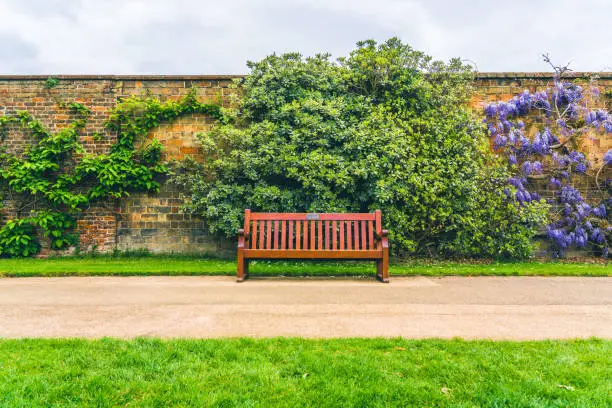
[(384, 233), (242, 234), (383, 240), (242, 238)]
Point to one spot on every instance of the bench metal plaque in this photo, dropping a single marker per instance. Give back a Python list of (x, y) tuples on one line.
[(312, 216)]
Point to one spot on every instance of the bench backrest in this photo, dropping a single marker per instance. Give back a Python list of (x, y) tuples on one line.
[(313, 231)]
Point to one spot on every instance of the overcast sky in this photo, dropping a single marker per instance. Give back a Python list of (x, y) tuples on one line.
[(218, 37)]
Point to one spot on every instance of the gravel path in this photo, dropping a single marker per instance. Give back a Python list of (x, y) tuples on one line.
[(514, 308)]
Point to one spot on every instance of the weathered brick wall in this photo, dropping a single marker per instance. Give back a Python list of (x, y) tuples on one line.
[(154, 221), (142, 221)]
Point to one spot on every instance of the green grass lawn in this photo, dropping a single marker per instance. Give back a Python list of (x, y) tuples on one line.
[(176, 265), (298, 372)]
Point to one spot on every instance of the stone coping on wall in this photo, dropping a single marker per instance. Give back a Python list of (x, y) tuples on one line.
[(541, 75), (119, 77), (479, 75)]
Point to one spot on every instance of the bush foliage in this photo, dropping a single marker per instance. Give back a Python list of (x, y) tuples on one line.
[(386, 127)]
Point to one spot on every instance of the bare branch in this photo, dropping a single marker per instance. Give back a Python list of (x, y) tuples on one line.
[(560, 70)]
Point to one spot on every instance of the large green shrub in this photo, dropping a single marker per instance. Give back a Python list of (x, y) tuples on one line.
[(385, 128)]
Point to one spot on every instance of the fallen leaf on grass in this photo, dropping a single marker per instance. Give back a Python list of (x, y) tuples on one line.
[(445, 390), (566, 387)]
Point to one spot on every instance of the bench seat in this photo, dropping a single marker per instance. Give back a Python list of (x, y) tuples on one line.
[(302, 254)]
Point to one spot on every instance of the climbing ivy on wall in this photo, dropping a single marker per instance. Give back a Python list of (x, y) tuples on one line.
[(54, 179)]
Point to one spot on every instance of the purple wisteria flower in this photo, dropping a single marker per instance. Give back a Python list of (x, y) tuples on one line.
[(491, 110), (537, 167), (555, 183), (597, 236), (569, 195), (542, 142), (607, 159), (601, 115), (575, 156), (500, 141), (527, 168), (561, 160), (581, 168), (600, 211)]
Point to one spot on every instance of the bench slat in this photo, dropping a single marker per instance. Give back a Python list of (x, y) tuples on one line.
[(311, 244), (262, 232), (283, 244), (254, 235), (342, 246), (370, 235), (334, 236), (268, 234), (276, 234), (364, 237), (349, 235), (298, 233)]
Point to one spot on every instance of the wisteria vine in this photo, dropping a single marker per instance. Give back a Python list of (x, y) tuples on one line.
[(564, 115)]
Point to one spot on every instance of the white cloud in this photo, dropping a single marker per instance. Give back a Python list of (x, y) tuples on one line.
[(191, 36)]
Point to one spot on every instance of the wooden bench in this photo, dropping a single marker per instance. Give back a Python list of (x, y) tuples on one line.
[(313, 236)]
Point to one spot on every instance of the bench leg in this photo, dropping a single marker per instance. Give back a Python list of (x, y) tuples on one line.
[(243, 268), (382, 264), (382, 270)]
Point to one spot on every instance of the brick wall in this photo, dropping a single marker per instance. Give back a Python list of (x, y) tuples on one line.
[(155, 222)]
